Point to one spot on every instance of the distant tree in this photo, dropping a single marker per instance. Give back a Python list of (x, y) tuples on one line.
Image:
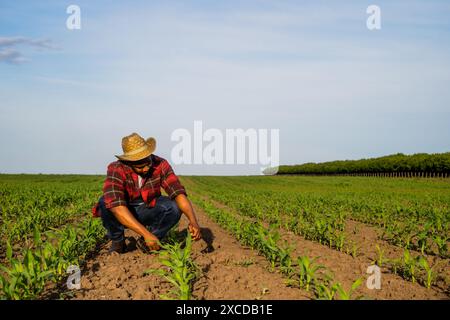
[(420, 162)]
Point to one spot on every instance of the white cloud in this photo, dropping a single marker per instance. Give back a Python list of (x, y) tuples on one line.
[(12, 56), (9, 53)]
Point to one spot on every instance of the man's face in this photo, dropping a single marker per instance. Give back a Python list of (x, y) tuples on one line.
[(141, 167)]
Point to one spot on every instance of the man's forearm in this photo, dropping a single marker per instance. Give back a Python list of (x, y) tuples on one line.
[(186, 207), (126, 218)]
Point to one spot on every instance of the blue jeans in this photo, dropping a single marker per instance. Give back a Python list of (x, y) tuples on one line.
[(158, 220)]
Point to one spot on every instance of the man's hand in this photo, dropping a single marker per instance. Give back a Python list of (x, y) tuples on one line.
[(124, 216), (152, 242), (194, 229), (186, 207)]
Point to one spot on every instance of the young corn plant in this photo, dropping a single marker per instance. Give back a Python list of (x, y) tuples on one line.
[(422, 239), (430, 276), (441, 243), (407, 266), (307, 271), (347, 295), (380, 258), (354, 252), (406, 237), (25, 274), (25, 278), (284, 255), (268, 245), (180, 270), (340, 241), (327, 290), (323, 291), (390, 233)]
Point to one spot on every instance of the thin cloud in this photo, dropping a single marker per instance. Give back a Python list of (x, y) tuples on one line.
[(5, 42), (10, 54)]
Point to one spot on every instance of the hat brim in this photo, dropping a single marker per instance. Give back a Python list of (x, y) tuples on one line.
[(133, 158), (151, 146)]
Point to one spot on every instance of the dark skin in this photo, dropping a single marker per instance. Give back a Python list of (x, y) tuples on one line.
[(126, 218)]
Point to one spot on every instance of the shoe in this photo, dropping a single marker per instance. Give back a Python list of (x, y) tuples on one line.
[(117, 246)]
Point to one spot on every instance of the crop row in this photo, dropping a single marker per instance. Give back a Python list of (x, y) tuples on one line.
[(417, 226), (45, 228), (29, 203), (299, 272), (323, 220), (45, 259)]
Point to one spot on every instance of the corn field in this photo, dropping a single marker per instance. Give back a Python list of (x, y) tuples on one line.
[(46, 226)]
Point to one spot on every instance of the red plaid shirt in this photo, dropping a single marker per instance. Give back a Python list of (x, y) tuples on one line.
[(121, 184)]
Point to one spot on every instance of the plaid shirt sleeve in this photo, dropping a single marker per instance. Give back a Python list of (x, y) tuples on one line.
[(113, 188), (170, 182)]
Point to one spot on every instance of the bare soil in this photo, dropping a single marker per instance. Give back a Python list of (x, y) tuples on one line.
[(228, 271), (346, 269), (231, 271)]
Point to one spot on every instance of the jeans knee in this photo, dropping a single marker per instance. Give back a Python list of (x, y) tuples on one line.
[(168, 204), (172, 210), (175, 210)]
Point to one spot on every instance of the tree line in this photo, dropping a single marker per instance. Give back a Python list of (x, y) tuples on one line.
[(396, 165)]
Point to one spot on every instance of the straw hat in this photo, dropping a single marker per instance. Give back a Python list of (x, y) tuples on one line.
[(135, 148)]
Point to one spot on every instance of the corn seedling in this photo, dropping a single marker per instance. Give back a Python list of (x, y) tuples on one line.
[(180, 270), (407, 266), (26, 274), (380, 256), (307, 271), (347, 295), (428, 271), (323, 291), (441, 243)]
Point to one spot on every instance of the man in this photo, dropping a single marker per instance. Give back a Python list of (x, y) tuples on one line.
[(132, 197)]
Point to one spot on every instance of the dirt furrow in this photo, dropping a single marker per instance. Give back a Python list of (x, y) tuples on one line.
[(228, 271), (347, 269)]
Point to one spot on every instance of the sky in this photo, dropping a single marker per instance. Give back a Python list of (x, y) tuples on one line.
[(312, 69)]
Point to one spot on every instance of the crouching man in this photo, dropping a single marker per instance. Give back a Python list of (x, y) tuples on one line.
[(132, 197)]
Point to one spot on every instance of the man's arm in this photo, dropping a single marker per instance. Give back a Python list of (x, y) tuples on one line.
[(124, 216), (186, 207), (176, 191)]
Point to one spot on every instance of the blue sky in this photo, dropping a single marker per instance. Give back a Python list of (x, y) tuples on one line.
[(309, 68)]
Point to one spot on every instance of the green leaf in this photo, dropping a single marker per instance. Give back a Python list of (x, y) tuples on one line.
[(37, 236), (8, 251), (356, 284)]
